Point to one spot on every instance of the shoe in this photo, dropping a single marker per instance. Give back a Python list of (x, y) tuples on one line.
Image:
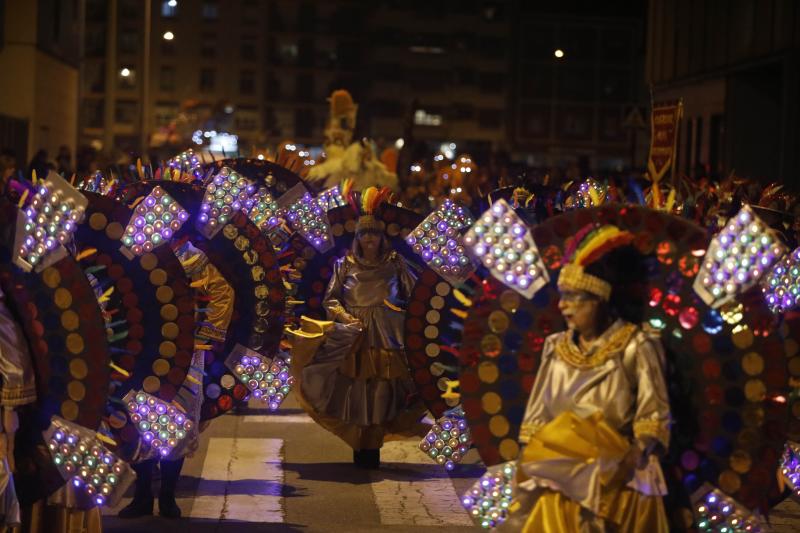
[(170, 472), (138, 507), (142, 504), (371, 459), (167, 507)]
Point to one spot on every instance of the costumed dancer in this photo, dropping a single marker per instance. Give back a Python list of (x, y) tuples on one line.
[(598, 414), (18, 388), (209, 282), (357, 384)]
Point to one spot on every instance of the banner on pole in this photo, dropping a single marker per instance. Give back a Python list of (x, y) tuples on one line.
[(664, 122)]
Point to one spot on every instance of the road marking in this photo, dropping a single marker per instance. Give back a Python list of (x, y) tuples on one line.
[(242, 480), (418, 492), (277, 419)]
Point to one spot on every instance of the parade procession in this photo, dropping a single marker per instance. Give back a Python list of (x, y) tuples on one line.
[(525, 352)]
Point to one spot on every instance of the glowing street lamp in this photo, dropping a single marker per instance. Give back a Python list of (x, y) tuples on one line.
[(125, 72), (168, 35), (559, 53)]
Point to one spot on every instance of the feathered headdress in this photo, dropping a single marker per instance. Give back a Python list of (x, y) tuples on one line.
[(371, 198), (590, 244)]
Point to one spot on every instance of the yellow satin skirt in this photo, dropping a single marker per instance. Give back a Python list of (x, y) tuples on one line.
[(629, 512), (586, 441)]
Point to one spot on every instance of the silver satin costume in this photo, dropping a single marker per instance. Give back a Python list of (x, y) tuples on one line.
[(18, 388), (360, 291), (356, 383), (620, 374)]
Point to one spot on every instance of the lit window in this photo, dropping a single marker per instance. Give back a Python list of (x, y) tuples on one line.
[(210, 11), (169, 8), (423, 118)]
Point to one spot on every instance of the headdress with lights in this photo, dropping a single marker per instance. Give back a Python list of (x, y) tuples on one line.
[(587, 247), (371, 198)]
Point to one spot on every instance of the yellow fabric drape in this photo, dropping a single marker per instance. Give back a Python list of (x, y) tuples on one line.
[(220, 305), (630, 512), (587, 441)]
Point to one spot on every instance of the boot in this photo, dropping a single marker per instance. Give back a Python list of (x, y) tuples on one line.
[(371, 459), (142, 504), (170, 472)]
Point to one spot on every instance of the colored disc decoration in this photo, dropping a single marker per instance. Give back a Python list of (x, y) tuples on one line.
[(61, 319), (149, 310), (433, 329), (726, 372), (237, 249)]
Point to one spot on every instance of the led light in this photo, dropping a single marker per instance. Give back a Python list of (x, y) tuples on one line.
[(489, 498), (448, 440), (514, 259), (589, 194), (737, 257), (439, 242), (308, 218), (262, 209), (76, 450), (48, 222), (330, 199), (267, 379), (781, 285), (185, 164), (227, 193), (154, 221), (165, 421), (716, 511)]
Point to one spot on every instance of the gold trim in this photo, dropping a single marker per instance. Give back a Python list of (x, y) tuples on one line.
[(571, 354), (573, 277), (15, 396), (658, 429)]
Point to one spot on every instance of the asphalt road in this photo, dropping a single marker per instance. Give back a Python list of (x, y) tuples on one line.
[(262, 471)]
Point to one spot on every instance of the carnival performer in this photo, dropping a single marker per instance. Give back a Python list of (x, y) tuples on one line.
[(358, 385), (209, 282), (18, 388), (598, 414)]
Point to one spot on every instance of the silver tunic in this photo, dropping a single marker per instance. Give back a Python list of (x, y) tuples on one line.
[(620, 375)]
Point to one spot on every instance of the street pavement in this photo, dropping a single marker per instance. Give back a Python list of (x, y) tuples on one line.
[(256, 470)]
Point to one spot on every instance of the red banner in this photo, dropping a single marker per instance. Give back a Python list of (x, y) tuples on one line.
[(664, 123)]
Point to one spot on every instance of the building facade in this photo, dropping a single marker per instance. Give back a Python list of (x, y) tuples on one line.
[(39, 101), (578, 88), (736, 65), (478, 73)]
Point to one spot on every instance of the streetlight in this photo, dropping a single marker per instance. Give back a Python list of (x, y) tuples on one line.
[(168, 35), (559, 53), (172, 3), (125, 72)]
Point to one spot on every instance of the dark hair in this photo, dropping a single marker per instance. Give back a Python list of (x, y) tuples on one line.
[(625, 269)]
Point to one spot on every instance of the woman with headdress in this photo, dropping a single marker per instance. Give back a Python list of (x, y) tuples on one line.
[(357, 384), (598, 414)]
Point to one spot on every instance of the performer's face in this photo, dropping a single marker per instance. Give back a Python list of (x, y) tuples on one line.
[(580, 310), (370, 241)]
